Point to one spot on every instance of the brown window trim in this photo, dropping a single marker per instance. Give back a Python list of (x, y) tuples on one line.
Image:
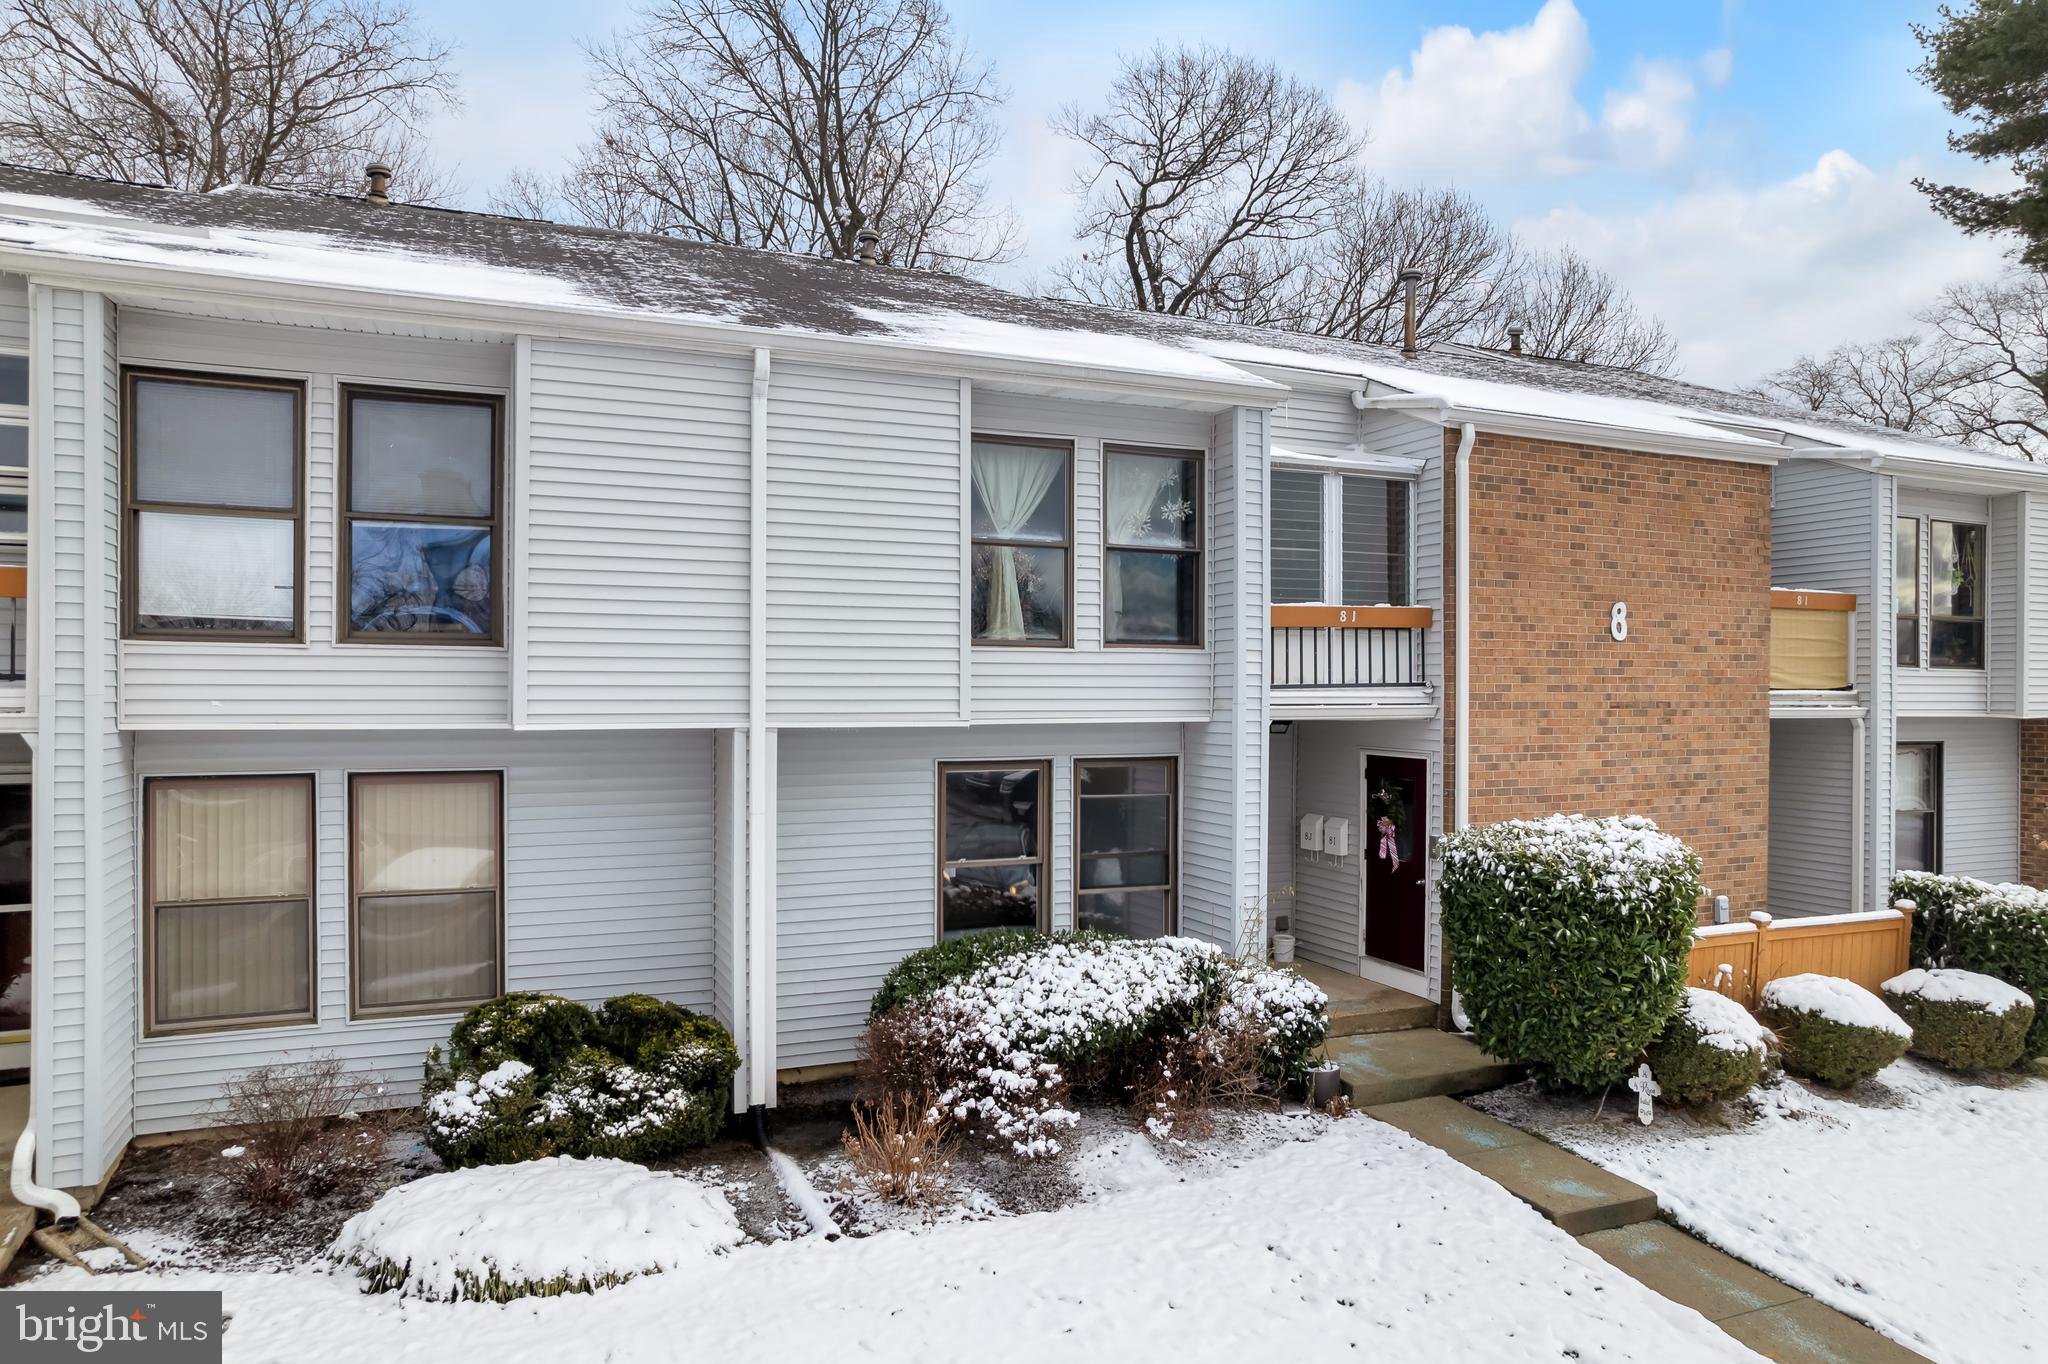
[(358, 1010), (150, 1026), (1043, 861), (1172, 888), (344, 627), (1913, 617), (1981, 620), (1200, 552), (975, 542), (132, 507)]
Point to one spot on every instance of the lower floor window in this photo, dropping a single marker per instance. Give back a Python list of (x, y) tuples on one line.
[(228, 905), (1124, 846), (425, 928), (991, 847), (1916, 802)]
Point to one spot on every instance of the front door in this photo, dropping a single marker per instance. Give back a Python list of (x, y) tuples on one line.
[(1394, 841)]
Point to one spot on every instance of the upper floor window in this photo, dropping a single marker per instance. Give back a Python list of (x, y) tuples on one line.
[(1339, 539), (421, 507), (1023, 541), (13, 518), (215, 513), (1152, 547), (1955, 595), (1906, 590)]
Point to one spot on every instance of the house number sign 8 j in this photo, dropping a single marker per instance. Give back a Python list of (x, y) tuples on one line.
[(1617, 621)]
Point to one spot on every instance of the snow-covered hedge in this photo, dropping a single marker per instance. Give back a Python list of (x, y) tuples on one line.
[(1569, 938), (536, 1229), (1711, 1050), (1000, 1046), (1833, 1030), (531, 1075), (1961, 1019), (1994, 930)]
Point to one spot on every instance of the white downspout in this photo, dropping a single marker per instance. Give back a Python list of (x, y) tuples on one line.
[(760, 756), (1461, 799)]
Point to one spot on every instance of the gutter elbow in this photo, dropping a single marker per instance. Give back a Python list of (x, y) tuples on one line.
[(1358, 398)]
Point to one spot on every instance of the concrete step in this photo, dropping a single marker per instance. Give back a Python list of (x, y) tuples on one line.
[(1394, 1015), (16, 1222), (1390, 1067)]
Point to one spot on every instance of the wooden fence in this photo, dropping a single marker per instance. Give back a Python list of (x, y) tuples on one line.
[(1740, 959)]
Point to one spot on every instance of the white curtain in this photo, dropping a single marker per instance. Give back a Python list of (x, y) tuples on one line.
[(1135, 483), (1011, 480)]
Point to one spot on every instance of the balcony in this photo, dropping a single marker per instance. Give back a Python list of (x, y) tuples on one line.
[(1325, 656), (1813, 651)]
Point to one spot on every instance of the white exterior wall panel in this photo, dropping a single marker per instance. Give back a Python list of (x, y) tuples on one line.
[(1980, 793), (1812, 829), (607, 888)]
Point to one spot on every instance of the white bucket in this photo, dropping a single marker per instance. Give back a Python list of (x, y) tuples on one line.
[(1283, 948)]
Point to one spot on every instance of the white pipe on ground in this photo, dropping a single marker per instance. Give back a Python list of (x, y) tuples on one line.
[(21, 1183)]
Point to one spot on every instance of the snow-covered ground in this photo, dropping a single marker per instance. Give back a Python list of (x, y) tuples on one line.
[(1360, 1238), (1919, 1205)]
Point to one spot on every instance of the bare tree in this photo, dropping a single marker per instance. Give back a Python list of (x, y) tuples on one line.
[(1203, 166), (204, 93), (1905, 383), (1999, 334), (795, 125), (1572, 310)]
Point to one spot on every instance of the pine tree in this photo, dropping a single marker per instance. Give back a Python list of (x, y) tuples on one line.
[(1989, 64)]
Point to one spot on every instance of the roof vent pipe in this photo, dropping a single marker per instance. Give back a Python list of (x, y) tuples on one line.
[(379, 192), (1514, 338), (1411, 275), (867, 246)]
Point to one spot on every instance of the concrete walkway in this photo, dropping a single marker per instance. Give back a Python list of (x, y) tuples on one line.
[(1617, 1220)]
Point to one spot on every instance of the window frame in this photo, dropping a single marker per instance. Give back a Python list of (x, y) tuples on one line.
[(1936, 811), (133, 507), (346, 517), (357, 1010), (1200, 551), (1919, 591), (24, 779), (1043, 861), (1330, 513), (15, 482), (151, 1027), (1982, 620), (1173, 835), (1068, 545)]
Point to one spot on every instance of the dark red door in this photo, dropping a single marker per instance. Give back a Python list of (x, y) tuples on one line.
[(1395, 843)]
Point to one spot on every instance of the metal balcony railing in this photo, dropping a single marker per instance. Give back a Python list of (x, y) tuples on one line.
[(1349, 646)]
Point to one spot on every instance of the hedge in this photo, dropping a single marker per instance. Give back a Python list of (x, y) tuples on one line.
[(1995, 930), (1569, 938), (1833, 1030), (1711, 1050), (1961, 1019), (529, 1075)]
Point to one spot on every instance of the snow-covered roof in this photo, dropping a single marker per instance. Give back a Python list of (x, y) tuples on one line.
[(337, 242)]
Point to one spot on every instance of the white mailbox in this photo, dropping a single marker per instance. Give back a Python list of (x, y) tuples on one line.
[(1311, 833), (1337, 837)]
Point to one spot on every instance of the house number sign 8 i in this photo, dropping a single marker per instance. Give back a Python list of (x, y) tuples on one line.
[(1617, 621)]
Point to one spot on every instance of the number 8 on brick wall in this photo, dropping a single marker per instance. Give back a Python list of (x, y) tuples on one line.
[(1617, 621)]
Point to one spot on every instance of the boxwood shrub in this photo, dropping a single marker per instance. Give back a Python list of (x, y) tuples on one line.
[(1961, 1019), (1833, 1030), (1710, 1051), (922, 972), (1998, 931), (1569, 938), (532, 1075)]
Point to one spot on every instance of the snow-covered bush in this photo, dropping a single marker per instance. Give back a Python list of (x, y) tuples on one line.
[(1711, 1050), (999, 1048), (1833, 1030), (924, 971), (643, 1080), (537, 1229), (1961, 1019), (1569, 938), (1994, 930)]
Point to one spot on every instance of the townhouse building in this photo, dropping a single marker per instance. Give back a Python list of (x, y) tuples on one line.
[(407, 605)]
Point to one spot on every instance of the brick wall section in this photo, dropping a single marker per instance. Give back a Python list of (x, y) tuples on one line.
[(1673, 723), (2034, 802)]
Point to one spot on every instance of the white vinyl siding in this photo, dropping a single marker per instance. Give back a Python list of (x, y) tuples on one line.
[(169, 684), (607, 888), (856, 839), (1088, 682), (1313, 421), (635, 536), (2033, 606), (1812, 820), (13, 311), (1980, 793), (866, 579)]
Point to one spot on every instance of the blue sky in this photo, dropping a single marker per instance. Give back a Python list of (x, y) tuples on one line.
[(1743, 167)]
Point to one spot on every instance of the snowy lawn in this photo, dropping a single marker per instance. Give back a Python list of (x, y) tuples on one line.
[(1358, 1239), (1919, 1205)]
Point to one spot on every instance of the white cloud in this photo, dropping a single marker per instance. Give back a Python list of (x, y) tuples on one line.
[(1649, 125), (1717, 65), (1749, 277)]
